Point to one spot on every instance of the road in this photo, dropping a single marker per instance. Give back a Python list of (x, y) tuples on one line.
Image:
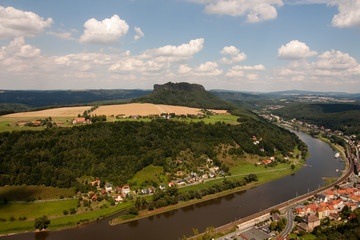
[(290, 221)]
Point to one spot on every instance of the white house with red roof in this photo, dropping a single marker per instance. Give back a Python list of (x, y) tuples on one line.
[(125, 189)]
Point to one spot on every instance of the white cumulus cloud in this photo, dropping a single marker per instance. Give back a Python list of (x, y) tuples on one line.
[(336, 60), (255, 10), (184, 50), (239, 71), (183, 68), (106, 31), (63, 35), (15, 23), (349, 13), (208, 69), (235, 54), (295, 50), (139, 33)]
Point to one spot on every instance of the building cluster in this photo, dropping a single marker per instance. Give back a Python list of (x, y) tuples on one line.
[(327, 204)]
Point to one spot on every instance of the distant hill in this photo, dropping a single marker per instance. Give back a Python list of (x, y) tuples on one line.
[(344, 117), (184, 94), (12, 101)]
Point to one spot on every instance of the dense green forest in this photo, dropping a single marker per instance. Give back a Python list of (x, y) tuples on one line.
[(184, 94), (116, 151), (344, 117)]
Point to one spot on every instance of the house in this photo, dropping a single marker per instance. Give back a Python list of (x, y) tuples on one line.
[(103, 192), (300, 212), (81, 120), (162, 187), (205, 176), (94, 198), (108, 187), (321, 198), (312, 221), (125, 189), (303, 227), (119, 198), (171, 184), (272, 158), (181, 182), (216, 168), (95, 183), (151, 189), (334, 216), (211, 174), (36, 123), (145, 191), (91, 193)]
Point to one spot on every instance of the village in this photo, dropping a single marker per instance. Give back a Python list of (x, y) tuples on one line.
[(328, 208)]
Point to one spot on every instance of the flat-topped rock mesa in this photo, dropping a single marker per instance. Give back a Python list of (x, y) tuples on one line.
[(182, 86)]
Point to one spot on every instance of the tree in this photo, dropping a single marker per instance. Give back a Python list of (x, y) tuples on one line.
[(41, 222), (133, 211)]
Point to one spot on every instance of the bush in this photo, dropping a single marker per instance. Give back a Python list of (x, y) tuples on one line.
[(133, 211), (65, 212), (41, 222), (72, 210)]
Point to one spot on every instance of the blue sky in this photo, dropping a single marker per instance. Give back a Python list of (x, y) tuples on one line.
[(244, 45)]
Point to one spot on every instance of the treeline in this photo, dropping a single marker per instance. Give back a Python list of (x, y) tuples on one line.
[(344, 117), (116, 151)]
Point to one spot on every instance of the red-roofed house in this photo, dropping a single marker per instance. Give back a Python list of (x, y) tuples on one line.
[(119, 198), (94, 198), (81, 120), (96, 182), (171, 184), (125, 189), (300, 212)]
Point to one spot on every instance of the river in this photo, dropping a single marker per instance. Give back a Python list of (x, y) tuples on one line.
[(217, 212)]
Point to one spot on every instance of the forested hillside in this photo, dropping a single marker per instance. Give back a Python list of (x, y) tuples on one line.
[(116, 151), (344, 117), (65, 97), (184, 94)]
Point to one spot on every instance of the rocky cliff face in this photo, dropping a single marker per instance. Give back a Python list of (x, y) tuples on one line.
[(183, 86)]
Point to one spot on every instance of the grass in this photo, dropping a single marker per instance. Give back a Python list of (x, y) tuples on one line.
[(31, 192), (34, 210), (63, 222), (6, 121), (246, 168), (148, 173)]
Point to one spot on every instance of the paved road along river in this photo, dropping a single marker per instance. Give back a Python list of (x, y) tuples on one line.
[(217, 212)]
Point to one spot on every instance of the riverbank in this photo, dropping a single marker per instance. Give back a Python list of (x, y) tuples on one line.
[(225, 229), (76, 220), (263, 177)]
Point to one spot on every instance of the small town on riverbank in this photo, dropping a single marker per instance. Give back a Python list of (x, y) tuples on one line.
[(306, 219)]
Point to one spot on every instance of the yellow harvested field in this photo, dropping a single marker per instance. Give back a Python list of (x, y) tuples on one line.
[(145, 109), (54, 112)]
